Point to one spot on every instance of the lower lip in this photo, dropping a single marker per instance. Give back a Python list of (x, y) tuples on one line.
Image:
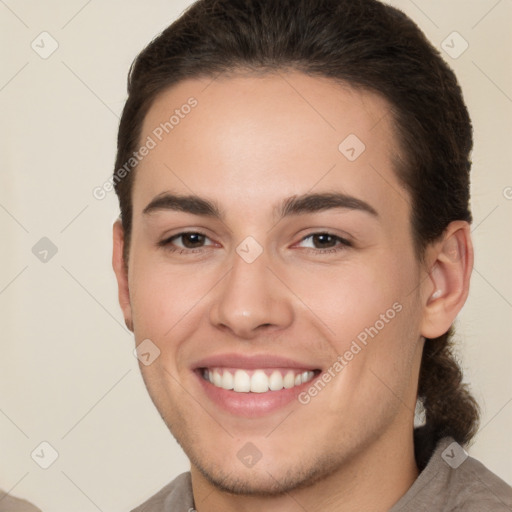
[(251, 405)]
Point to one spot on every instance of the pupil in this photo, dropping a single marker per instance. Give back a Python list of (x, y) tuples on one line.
[(324, 239), (192, 240)]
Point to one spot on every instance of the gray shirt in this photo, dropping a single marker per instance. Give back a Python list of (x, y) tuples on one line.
[(451, 482)]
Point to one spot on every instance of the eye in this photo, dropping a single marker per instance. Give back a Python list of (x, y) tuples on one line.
[(325, 242), (186, 241), (195, 241)]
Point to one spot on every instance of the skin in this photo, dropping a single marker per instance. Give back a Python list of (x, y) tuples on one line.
[(251, 143)]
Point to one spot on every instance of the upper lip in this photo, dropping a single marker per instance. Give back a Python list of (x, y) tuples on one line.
[(253, 362)]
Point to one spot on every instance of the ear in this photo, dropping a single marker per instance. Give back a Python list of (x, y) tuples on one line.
[(446, 288), (121, 272)]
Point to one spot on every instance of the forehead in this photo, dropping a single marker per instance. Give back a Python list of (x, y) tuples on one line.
[(283, 133)]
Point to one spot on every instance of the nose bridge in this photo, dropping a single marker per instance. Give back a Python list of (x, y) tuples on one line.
[(250, 295)]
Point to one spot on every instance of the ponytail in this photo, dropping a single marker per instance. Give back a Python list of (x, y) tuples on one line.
[(450, 409)]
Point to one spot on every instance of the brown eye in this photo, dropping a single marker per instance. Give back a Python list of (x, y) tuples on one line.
[(192, 240), (324, 240), (187, 240)]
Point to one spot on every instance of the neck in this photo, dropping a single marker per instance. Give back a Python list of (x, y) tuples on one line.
[(375, 479)]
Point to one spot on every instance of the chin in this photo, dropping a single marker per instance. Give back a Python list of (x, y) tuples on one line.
[(270, 479)]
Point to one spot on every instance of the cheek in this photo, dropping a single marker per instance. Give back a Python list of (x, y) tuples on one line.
[(377, 330), (165, 297), (352, 296)]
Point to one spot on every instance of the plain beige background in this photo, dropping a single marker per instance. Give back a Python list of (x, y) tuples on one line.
[(67, 373)]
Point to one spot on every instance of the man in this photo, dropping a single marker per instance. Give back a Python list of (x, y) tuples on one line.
[(293, 249)]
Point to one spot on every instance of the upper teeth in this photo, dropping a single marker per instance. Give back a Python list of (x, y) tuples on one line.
[(256, 381)]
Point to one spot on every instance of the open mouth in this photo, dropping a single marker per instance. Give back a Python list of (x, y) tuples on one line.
[(255, 385), (257, 380)]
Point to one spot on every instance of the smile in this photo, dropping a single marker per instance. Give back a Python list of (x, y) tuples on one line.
[(256, 380)]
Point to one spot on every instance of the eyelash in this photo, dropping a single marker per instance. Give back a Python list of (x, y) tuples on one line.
[(343, 243)]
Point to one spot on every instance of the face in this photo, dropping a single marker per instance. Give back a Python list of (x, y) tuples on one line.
[(272, 265)]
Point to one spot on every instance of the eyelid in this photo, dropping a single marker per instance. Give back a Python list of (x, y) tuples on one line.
[(343, 241), (341, 235), (169, 239)]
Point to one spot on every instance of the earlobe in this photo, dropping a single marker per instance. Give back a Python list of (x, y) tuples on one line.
[(121, 271), (447, 286)]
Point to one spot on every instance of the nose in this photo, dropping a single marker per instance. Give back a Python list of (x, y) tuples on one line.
[(251, 300)]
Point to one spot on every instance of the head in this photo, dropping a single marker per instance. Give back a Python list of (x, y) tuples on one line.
[(318, 157)]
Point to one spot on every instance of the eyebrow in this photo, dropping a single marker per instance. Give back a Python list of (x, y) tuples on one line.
[(295, 205)]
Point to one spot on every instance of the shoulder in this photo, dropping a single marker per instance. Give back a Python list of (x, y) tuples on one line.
[(176, 495), (479, 488), (453, 481), (9, 503)]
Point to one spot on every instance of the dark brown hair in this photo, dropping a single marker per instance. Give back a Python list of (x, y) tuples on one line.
[(363, 43)]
